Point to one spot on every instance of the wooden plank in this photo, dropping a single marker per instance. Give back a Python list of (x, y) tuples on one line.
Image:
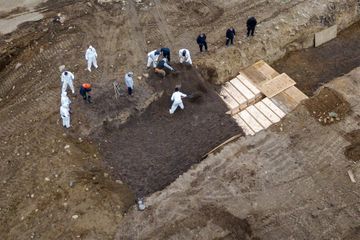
[(267, 112), (236, 95), (247, 130), (325, 35), (273, 107), (259, 116), (265, 69), (231, 103), (276, 85), (259, 72), (245, 80), (285, 102), (351, 176), (250, 121), (223, 144), (296, 94), (250, 97)]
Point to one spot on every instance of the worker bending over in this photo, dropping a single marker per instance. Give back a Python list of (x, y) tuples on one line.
[(85, 89), (160, 68), (153, 57), (91, 56), (67, 79), (176, 98), (184, 56), (166, 53)]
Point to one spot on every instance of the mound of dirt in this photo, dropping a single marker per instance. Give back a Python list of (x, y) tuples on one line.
[(151, 151), (328, 106)]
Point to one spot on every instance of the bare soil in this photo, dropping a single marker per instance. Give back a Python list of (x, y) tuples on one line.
[(151, 150), (352, 152), (313, 67), (66, 184), (328, 102)]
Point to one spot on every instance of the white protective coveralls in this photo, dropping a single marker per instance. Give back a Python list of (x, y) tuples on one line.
[(65, 115), (153, 57), (67, 79), (186, 58), (65, 100), (177, 101), (91, 56)]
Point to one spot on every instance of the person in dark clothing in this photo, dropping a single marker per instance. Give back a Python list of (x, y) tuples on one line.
[(166, 53), (230, 34), (251, 24), (201, 41), (84, 91), (161, 66)]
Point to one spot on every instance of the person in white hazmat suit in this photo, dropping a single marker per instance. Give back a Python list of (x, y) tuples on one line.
[(65, 100), (65, 115), (67, 79), (177, 97), (184, 56), (91, 56), (153, 58)]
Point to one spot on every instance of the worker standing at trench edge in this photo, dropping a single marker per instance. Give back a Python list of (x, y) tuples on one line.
[(201, 41), (176, 98), (230, 35), (251, 24)]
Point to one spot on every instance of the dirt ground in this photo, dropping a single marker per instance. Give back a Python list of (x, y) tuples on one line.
[(279, 184), (313, 67), (152, 150), (81, 182)]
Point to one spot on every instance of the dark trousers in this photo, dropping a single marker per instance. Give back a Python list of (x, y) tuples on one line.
[(167, 56), (251, 31), (130, 90), (203, 45), (229, 40)]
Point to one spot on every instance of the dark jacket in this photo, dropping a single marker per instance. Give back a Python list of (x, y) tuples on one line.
[(201, 39), (165, 51), (84, 91), (161, 64), (251, 22), (230, 33)]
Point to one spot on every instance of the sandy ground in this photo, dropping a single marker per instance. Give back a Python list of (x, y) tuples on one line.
[(65, 184)]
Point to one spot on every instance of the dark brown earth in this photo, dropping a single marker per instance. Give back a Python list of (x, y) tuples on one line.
[(151, 151), (313, 67), (326, 102), (352, 152)]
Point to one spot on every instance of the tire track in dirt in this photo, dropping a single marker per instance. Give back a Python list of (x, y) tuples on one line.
[(10, 79), (136, 31), (163, 25)]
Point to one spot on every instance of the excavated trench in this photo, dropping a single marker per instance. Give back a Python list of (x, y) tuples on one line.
[(312, 67), (150, 151)]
